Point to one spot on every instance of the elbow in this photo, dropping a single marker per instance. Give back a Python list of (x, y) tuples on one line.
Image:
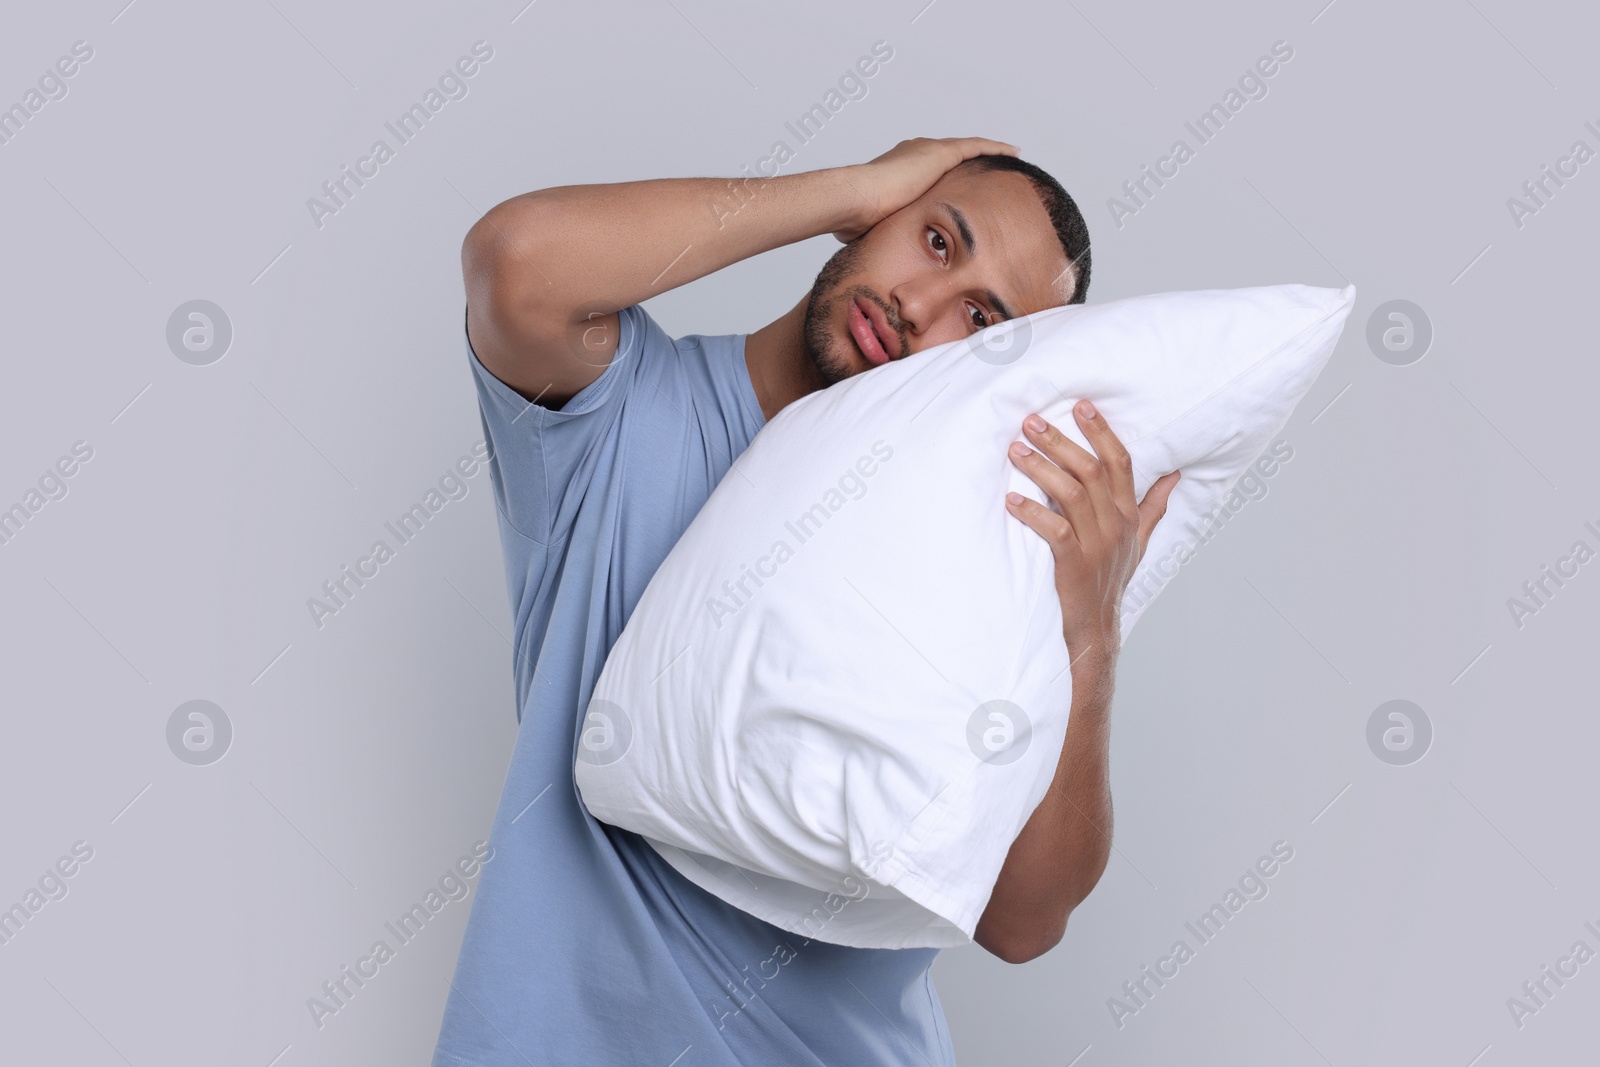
[(1025, 950), (481, 239), (1023, 921), (501, 283), (479, 250), (484, 248), (1023, 946), (499, 243)]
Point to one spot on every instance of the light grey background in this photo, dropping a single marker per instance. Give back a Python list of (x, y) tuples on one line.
[(367, 755)]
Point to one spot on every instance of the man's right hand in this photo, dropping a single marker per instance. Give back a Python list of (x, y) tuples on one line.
[(891, 181)]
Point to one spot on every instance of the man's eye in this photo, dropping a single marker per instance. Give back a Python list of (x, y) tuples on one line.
[(937, 241), (981, 315)]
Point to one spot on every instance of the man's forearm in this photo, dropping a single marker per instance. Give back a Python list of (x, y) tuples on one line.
[(1063, 848), (548, 273), (606, 247)]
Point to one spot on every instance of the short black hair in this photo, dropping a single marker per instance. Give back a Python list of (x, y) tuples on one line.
[(1070, 227)]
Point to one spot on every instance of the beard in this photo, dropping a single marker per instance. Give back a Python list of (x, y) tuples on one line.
[(835, 359)]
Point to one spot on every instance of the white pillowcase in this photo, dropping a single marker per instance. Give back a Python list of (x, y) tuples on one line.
[(845, 690)]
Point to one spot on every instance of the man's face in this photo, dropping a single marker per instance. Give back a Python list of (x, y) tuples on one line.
[(975, 249)]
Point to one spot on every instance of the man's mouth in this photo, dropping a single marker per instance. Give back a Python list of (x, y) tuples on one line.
[(871, 332)]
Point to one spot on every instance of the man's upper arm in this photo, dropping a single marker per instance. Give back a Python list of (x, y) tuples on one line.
[(545, 456), (545, 352)]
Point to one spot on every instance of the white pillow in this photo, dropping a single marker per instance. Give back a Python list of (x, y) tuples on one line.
[(845, 690)]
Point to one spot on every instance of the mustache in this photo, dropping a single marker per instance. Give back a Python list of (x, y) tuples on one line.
[(835, 283), (889, 315)]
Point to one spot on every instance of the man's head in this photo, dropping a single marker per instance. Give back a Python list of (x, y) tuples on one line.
[(994, 238)]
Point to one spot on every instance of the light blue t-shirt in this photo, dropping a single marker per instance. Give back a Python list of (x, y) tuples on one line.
[(584, 947)]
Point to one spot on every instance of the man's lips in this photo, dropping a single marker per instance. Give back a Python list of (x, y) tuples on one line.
[(871, 332)]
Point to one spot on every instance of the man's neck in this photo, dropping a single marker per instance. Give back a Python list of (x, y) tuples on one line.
[(776, 357)]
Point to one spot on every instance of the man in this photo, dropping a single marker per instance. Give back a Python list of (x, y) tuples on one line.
[(584, 947)]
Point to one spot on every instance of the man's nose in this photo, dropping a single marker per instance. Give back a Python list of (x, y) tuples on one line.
[(923, 305)]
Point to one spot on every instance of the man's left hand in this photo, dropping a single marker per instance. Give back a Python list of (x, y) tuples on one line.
[(1100, 535)]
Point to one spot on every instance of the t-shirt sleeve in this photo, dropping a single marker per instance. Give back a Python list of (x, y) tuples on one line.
[(540, 455)]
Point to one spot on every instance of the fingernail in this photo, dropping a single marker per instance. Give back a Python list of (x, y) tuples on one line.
[(1013, 499), (1020, 449), (1034, 423), (1086, 409)]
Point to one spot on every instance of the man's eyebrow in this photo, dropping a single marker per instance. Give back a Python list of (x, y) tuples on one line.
[(969, 245), (999, 305)]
